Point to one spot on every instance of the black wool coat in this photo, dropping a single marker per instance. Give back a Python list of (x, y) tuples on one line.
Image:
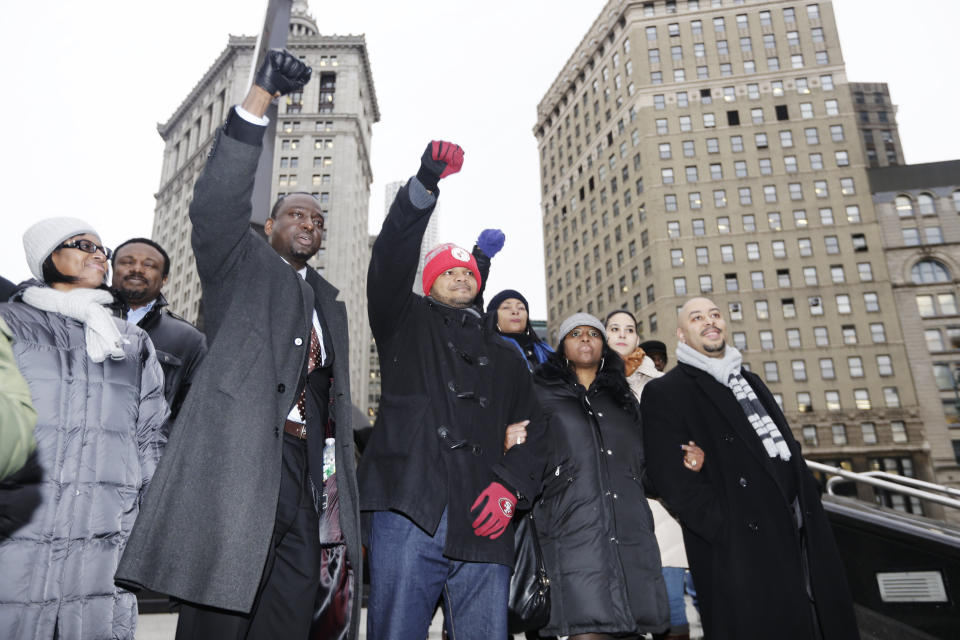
[(594, 524), (449, 390), (180, 347), (742, 542), (206, 524)]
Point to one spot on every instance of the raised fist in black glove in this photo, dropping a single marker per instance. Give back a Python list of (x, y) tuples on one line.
[(282, 73), (439, 161)]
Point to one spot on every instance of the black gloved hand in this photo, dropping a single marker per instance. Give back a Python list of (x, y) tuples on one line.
[(282, 73), (439, 160)]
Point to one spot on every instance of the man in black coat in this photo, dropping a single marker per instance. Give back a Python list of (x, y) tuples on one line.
[(140, 269), (437, 489), (241, 522), (761, 551)]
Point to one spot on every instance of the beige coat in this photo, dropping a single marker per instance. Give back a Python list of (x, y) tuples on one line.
[(667, 529)]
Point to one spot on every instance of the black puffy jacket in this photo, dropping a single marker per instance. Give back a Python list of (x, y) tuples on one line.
[(595, 526)]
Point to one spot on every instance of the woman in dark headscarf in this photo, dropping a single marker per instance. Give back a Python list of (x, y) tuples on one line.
[(507, 315)]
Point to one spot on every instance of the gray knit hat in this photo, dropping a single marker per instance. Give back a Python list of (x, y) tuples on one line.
[(40, 240), (580, 320)]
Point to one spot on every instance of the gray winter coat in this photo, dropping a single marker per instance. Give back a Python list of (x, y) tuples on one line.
[(209, 519), (98, 443)]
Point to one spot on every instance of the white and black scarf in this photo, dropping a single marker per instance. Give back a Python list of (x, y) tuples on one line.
[(726, 371)]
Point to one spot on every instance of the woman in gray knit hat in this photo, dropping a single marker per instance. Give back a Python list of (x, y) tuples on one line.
[(594, 525), (98, 391)]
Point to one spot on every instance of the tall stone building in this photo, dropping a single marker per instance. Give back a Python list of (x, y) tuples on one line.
[(877, 120), (322, 146), (918, 208), (712, 147)]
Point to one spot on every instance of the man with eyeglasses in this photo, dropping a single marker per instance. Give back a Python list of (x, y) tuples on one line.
[(437, 488), (140, 269)]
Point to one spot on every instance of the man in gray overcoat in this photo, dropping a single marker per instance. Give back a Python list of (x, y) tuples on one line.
[(241, 523)]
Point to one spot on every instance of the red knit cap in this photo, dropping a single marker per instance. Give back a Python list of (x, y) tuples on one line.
[(443, 257)]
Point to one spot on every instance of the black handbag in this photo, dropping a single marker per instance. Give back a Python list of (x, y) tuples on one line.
[(529, 607)]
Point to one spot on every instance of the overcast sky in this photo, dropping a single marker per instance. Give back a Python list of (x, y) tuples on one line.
[(88, 81)]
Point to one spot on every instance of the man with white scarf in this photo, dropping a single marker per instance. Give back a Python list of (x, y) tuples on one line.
[(760, 548)]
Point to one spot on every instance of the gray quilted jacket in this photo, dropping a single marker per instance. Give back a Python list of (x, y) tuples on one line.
[(98, 443)]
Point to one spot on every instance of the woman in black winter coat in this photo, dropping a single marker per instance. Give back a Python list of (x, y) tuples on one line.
[(595, 527)]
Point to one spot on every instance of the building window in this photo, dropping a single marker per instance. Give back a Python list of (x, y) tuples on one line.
[(929, 271), (891, 397), (933, 235), (793, 338), (799, 370), (877, 332), (771, 372), (762, 309), (821, 337), (810, 435), (831, 400), (898, 430), (871, 302), (735, 311), (826, 369), (680, 286), (839, 433)]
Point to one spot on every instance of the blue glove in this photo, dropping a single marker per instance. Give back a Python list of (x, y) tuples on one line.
[(491, 241)]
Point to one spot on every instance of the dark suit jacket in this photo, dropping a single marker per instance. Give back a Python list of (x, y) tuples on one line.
[(741, 540), (206, 524)]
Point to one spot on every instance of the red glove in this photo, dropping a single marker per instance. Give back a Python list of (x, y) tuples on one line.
[(439, 161), (496, 506)]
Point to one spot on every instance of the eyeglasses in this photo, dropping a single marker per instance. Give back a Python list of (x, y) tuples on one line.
[(87, 246), (593, 333)]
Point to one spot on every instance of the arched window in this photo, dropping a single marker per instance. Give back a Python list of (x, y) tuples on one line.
[(929, 271), (927, 205), (904, 206)]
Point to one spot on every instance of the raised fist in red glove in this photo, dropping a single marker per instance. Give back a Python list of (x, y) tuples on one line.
[(494, 506), (439, 161)]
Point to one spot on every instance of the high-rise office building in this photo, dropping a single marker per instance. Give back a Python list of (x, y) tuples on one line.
[(918, 208), (877, 121), (322, 146), (712, 148)]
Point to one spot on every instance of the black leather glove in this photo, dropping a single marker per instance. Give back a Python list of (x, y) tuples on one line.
[(282, 72)]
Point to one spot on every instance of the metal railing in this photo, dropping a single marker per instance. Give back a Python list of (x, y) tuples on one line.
[(891, 482)]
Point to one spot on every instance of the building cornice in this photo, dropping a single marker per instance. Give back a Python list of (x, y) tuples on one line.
[(575, 67), (358, 42), (234, 44)]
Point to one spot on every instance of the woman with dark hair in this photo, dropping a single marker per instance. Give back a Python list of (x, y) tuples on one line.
[(507, 314), (622, 336), (595, 527), (98, 391)]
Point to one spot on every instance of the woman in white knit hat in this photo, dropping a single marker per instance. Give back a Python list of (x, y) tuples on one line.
[(98, 391)]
